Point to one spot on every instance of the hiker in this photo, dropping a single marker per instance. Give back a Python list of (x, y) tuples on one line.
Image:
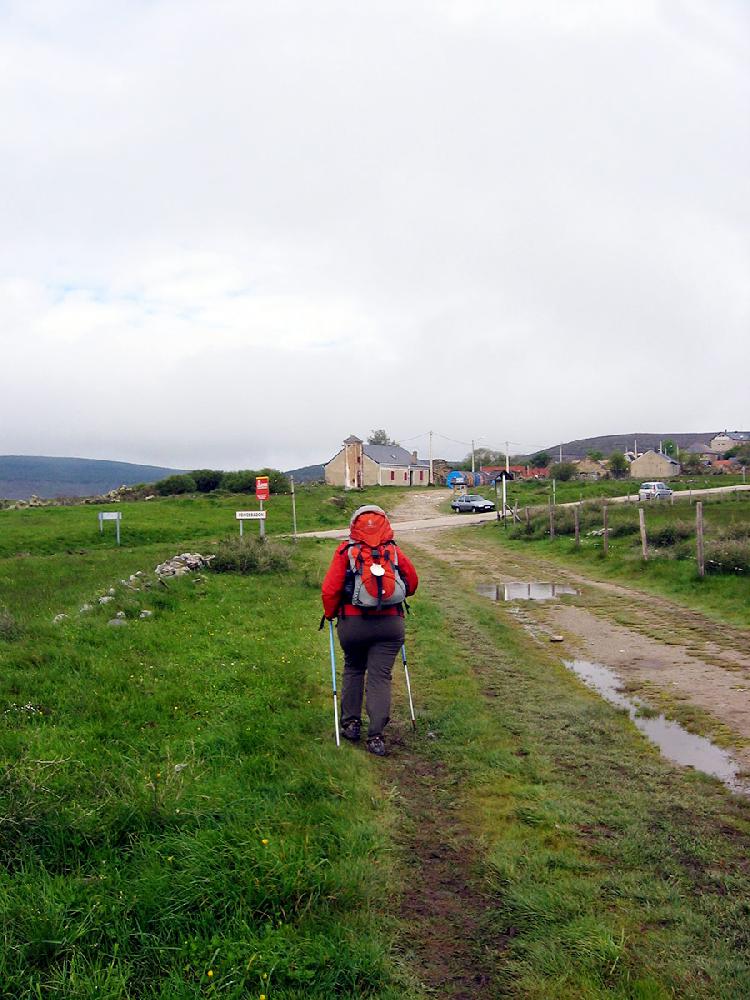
[(366, 587)]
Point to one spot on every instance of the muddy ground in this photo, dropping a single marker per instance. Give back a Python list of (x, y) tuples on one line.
[(675, 655)]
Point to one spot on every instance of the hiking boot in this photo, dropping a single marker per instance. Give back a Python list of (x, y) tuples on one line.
[(376, 745), (350, 730)]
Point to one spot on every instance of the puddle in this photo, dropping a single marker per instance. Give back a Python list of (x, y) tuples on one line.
[(674, 742), (524, 591)]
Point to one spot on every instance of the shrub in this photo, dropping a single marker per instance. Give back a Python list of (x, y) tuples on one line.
[(250, 555), (728, 557), (175, 485), (562, 471), (9, 627), (207, 480), (242, 481), (670, 534)]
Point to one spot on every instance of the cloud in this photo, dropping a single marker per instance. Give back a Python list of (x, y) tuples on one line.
[(248, 230)]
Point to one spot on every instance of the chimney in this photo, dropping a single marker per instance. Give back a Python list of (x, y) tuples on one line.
[(414, 457)]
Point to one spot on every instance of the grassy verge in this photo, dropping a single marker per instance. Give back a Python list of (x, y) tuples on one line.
[(176, 520), (176, 821), (671, 569), (614, 874)]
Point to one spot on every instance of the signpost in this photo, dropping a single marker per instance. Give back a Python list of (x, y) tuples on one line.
[(110, 515), (250, 515), (294, 512)]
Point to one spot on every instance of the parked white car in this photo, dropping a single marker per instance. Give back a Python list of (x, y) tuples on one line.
[(654, 491)]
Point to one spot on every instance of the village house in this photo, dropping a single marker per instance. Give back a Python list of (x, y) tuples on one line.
[(358, 464), (590, 468), (728, 439), (654, 465), (705, 452)]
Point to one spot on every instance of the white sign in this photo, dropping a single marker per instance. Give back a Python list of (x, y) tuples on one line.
[(114, 515), (250, 515)]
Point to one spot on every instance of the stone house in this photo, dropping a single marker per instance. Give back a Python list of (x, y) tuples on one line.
[(654, 465), (728, 439), (358, 464), (590, 468)]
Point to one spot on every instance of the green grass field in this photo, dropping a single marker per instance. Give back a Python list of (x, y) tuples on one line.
[(671, 568), (176, 821)]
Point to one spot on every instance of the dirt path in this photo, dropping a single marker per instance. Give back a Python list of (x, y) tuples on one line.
[(673, 656), (444, 903)]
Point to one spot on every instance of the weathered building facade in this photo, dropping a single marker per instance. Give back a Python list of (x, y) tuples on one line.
[(654, 465), (358, 464)]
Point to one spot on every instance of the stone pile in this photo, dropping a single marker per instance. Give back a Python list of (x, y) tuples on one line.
[(188, 562)]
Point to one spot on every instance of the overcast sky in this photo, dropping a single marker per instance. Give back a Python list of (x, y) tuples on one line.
[(236, 232)]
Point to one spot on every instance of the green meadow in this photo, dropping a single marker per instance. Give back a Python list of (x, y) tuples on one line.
[(671, 568), (177, 822)]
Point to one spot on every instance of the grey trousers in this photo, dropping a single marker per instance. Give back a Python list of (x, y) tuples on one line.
[(370, 647)]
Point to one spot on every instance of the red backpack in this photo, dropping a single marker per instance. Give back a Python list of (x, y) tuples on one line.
[(373, 580)]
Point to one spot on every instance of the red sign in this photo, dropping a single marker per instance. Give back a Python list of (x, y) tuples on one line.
[(262, 491)]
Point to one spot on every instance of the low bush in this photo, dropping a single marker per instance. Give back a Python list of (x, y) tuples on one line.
[(728, 557), (175, 486), (670, 534), (250, 555), (207, 480)]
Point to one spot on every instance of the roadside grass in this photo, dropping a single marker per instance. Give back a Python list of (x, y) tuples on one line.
[(175, 818), (75, 530), (671, 569), (532, 492), (615, 874)]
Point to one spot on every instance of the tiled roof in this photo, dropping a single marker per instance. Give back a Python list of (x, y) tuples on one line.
[(388, 454)]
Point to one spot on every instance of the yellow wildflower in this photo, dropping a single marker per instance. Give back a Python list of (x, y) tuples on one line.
[(265, 841)]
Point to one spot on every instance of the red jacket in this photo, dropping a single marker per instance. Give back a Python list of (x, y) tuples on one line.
[(332, 590)]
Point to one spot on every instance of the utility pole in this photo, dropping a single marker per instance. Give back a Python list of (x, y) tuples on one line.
[(472, 455), (507, 466), (431, 478), (561, 454)]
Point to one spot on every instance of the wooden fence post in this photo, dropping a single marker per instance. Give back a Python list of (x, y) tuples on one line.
[(551, 521), (577, 519), (644, 539), (699, 539), (605, 536), (528, 521)]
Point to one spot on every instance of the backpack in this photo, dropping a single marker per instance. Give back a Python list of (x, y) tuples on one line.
[(373, 580)]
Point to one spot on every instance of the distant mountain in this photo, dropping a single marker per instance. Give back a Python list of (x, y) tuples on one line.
[(625, 442), (24, 475), (307, 474)]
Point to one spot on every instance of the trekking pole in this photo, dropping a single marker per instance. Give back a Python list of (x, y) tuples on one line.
[(408, 688), (333, 680)]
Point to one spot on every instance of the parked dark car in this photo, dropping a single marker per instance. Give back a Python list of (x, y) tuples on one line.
[(471, 504)]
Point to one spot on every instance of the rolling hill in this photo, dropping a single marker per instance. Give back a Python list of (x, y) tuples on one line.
[(45, 476), (624, 442)]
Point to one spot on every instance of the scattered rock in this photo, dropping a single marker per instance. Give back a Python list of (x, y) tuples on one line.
[(188, 562), (106, 599), (111, 591), (556, 638), (146, 614), (59, 618), (117, 621), (86, 607), (120, 614)]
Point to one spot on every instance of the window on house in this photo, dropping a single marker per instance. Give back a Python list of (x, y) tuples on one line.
[(393, 475), (421, 477)]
